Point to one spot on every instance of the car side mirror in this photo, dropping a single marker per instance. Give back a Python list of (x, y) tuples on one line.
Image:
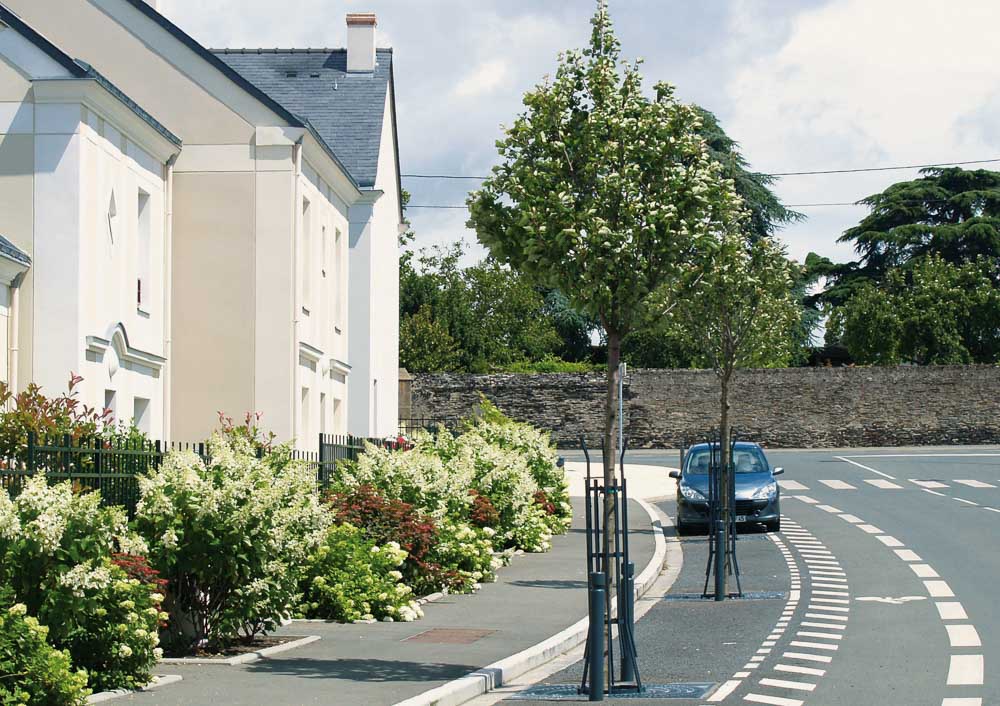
[(675, 474), (777, 471)]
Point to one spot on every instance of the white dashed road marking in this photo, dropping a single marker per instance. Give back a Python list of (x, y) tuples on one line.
[(927, 483), (963, 636), (951, 610), (939, 589), (965, 670), (975, 483), (791, 485), (867, 468), (838, 485), (883, 483)]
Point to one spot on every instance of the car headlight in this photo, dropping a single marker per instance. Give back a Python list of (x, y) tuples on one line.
[(767, 492), (690, 493)]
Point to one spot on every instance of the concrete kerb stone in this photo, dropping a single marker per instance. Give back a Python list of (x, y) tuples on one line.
[(494, 675), (243, 658), (158, 681)]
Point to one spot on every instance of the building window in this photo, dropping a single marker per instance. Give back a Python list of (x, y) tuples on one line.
[(338, 277), (305, 259), (111, 402), (337, 429), (304, 413), (144, 289), (112, 217), (322, 413), (140, 414), (324, 263)]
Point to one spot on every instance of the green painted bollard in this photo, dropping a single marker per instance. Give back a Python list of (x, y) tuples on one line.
[(598, 586)]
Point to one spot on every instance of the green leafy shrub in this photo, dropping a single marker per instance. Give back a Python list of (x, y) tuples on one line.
[(58, 550), (32, 672), (383, 520), (550, 364), (351, 578), (108, 621), (467, 555), (230, 536)]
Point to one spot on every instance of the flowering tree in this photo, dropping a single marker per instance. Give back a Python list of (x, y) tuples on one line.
[(602, 192), (739, 311)]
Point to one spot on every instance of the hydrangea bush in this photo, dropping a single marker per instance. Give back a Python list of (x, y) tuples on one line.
[(57, 551), (230, 535), (352, 578), (467, 556), (42, 675)]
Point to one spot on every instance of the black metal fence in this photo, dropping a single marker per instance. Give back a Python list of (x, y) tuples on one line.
[(111, 468), (432, 424)]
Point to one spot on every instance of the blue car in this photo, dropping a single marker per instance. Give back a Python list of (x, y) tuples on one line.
[(758, 497)]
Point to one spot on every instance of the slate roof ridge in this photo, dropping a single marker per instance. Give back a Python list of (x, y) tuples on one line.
[(287, 50)]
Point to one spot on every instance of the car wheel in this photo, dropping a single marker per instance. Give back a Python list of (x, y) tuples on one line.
[(774, 526)]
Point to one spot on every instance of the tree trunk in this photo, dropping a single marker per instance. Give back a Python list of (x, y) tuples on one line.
[(727, 478), (611, 444)]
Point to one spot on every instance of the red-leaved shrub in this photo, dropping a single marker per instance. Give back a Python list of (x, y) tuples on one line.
[(483, 512), (384, 521)]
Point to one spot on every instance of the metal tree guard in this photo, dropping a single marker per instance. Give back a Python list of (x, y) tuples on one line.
[(602, 564), (717, 564)]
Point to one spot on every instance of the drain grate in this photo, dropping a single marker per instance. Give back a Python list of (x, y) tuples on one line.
[(747, 596), (568, 692), (449, 636)]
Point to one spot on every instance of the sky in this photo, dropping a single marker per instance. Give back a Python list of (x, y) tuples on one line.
[(801, 84)]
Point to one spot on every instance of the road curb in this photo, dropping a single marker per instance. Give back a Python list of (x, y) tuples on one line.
[(497, 674), (156, 683), (245, 658)]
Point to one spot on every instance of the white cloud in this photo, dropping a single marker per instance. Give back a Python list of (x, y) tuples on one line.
[(861, 83), (485, 78)]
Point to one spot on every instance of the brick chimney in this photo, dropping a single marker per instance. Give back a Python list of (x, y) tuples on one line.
[(361, 41)]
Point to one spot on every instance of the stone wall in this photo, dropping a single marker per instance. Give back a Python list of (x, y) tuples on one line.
[(795, 407)]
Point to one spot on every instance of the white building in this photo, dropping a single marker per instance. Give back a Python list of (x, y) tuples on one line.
[(278, 197), (82, 194)]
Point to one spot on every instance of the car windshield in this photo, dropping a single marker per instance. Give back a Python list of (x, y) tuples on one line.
[(747, 459)]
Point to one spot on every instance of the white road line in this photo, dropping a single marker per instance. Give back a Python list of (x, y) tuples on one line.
[(826, 616), (853, 519), (927, 483), (826, 572), (826, 626), (838, 485), (787, 684), (992, 509), (934, 492), (831, 636), (808, 657), (951, 610), (870, 529), (772, 700), (883, 483), (939, 589), (967, 502), (924, 455), (814, 645), (975, 483), (820, 584), (741, 675), (795, 669), (725, 690), (806, 499), (834, 608), (963, 636), (831, 579), (835, 601), (889, 541), (829, 508), (831, 593), (965, 670), (962, 701), (867, 468), (924, 571), (908, 555), (791, 485)]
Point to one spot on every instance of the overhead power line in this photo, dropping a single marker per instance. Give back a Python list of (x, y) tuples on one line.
[(774, 174)]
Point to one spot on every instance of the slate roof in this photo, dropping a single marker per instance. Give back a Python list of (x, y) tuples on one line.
[(79, 70), (13, 252), (346, 109)]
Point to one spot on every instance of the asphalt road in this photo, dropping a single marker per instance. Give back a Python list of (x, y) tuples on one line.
[(888, 565)]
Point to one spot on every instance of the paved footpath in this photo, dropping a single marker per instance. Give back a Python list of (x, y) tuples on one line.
[(535, 597)]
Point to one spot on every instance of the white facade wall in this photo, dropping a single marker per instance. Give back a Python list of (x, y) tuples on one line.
[(374, 297), (321, 275)]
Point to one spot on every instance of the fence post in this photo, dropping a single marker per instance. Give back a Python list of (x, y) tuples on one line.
[(31, 453), (67, 447)]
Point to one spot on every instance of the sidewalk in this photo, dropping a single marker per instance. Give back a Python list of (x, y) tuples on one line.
[(535, 597)]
